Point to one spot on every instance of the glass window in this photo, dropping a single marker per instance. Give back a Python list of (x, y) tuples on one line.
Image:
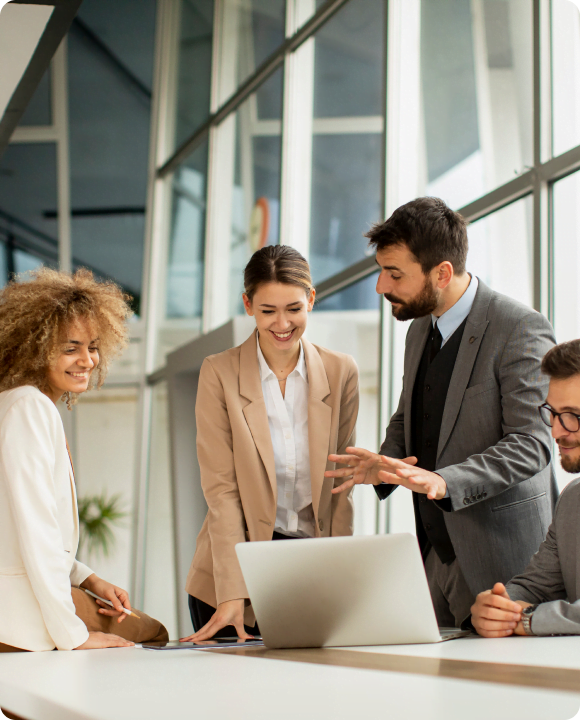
[(110, 74), (566, 223), (565, 75), (252, 31), (349, 322), (347, 143), (28, 206), (183, 299), (194, 66), (159, 582), (464, 111), (501, 250), (255, 202), (103, 445), (38, 111)]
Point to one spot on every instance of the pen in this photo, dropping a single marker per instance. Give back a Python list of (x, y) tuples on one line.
[(127, 612)]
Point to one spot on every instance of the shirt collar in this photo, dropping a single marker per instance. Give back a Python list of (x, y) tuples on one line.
[(452, 319), (266, 371)]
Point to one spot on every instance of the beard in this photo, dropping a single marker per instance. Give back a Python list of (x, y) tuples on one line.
[(570, 464), (421, 305)]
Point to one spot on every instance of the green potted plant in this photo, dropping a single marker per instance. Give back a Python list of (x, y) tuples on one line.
[(98, 514)]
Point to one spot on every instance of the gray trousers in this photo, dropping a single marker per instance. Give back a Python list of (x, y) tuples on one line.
[(452, 598)]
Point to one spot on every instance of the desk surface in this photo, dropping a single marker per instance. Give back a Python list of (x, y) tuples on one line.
[(131, 683)]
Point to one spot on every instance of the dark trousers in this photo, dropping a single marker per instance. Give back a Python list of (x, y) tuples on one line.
[(201, 612)]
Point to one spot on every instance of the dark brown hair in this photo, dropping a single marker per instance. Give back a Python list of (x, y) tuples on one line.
[(35, 312), (279, 264), (562, 361), (431, 231)]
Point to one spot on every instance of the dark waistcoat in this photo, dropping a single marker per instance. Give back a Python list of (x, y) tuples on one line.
[(429, 396)]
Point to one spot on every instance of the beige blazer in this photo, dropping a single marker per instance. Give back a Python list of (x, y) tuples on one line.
[(39, 527), (236, 459)]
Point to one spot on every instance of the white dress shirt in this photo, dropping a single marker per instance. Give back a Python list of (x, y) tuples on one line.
[(288, 422)]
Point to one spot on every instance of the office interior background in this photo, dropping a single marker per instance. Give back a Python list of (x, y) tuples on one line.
[(170, 139)]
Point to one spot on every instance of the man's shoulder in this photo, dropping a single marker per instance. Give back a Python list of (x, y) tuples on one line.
[(570, 493), (504, 311)]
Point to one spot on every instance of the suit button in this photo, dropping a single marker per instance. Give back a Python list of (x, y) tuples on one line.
[(428, 443), (466, 501), (426, 416), (320, 525), (427, 387), (478, 497), (484, 495), (427, 527)]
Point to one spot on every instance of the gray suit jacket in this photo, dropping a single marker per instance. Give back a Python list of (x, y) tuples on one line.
[(552, 577), (494, 452)]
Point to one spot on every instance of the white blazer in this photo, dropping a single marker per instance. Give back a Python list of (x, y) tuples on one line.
[(39, 527)]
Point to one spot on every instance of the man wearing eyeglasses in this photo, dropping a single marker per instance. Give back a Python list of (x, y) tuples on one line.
[(545, 598)]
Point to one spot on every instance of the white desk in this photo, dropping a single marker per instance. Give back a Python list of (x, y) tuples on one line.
[(133, 683)]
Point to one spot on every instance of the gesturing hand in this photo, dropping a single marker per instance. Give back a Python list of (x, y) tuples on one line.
[(414, 478), (495, 615), (227, 613), (362, 467), (108, 591)]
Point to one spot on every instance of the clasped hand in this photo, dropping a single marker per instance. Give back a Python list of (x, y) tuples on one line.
[(494, 614), (365, 467)]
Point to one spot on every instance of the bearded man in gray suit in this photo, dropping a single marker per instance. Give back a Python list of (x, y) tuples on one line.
[(466, 438), (545, 598)]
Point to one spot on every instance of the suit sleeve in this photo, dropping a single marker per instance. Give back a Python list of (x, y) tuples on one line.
[(525, 448), (226, 522), (28, 442), (542, 582), (342, 503)]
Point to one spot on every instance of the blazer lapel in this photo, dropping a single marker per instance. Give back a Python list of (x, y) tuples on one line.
[(475, 328), (255, 412), (319, 420), (413, 354)]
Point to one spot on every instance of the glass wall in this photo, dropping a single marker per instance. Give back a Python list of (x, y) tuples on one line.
[(349, 322), (255, 200), (347, 141), (464, 97), (501, 250), (110, 50), (566, 253), (28, 208), (195, 28), (565, 75)]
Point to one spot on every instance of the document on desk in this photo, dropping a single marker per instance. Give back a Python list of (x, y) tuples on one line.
[(206, 645)]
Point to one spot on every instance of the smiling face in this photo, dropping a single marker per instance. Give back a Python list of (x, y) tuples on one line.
[(564, 396), (281, 313), (412, 294), (79, 356)]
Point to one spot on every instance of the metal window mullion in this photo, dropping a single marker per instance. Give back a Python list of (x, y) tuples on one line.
[(542, 153), (61, 125), (153, 281)]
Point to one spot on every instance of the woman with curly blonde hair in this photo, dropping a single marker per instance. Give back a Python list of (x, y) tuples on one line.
[(58, 335)]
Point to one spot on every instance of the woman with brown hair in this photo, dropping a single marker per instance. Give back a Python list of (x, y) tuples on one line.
[(268, 414), (58, 335)]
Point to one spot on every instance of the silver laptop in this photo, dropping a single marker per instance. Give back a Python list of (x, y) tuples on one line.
[(329, 592)]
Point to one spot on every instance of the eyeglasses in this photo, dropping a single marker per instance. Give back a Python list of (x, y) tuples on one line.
[(569, 421)]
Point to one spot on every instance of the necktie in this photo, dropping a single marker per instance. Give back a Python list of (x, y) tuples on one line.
[(436, 341)]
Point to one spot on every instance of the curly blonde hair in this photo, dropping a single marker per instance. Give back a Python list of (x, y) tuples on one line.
[(35, 314)]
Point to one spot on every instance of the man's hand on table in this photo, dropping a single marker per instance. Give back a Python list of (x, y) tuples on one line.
[(495, 615), (363, 467)]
